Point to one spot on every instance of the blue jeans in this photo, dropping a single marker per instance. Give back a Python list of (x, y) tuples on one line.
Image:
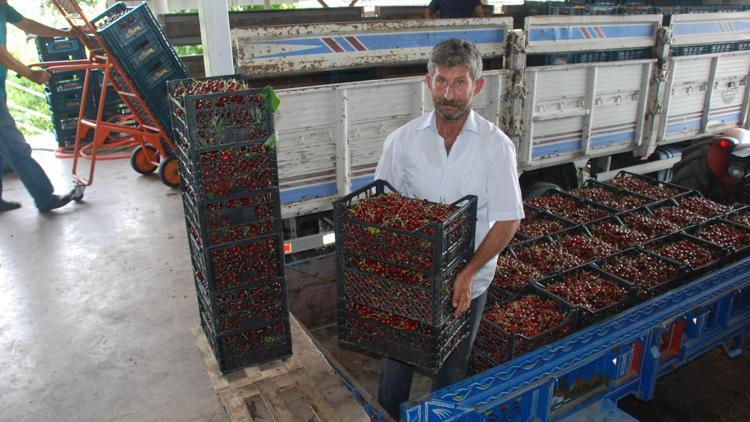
[(16, 152), (395, 377)]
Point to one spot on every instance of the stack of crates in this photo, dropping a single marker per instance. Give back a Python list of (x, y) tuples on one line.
[(395, 286), (225, 144), (64, 90), (137, 41)]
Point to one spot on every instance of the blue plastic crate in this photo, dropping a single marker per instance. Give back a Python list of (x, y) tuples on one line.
[(50, 49), (110, 15)]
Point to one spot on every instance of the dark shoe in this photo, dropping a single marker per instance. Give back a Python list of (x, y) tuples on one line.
[(9, 205), (59, 201)]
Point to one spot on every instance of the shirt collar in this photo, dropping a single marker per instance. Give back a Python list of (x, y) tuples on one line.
[(428, 120)]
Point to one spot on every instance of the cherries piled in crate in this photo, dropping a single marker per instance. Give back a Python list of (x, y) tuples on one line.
[(230, 191), (652, 274), (397, 258), (609, 196), (528, 320), (646, 186), (568, 207)]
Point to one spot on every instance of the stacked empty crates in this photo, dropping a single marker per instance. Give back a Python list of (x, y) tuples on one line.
[(64, 90), (225, 144), (395, 286), (135, 38)]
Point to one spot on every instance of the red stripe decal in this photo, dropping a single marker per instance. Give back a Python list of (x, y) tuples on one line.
[(599, 32), (585, 33), (356, 44), (333, 45)]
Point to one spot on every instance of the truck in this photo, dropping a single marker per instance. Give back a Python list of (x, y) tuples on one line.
[(581, 97)]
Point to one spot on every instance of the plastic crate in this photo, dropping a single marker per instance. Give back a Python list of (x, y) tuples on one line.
[(616, 199), (739, 215), (646, 186), (671, 247), (480, 362), (237, 169), (244, 307), (652, 274), (501, 345), (673, 212), (65, 82), (544, 255), (579, 242), (511, 275), (541, 223), (110, 15), (430, 249), (59, 49), (249, 346), (237, 264), (423, 298), (588, 315), (408, 341), (569, 207), (705, 207), (643, 221), (207, 122), (613, 231), (727, 234), (234, 218)]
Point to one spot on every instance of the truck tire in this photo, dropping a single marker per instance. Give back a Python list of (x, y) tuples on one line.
[(692, 172), (537, 189)]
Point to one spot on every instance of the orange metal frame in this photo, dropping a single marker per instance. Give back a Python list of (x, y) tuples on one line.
[(146, 129)]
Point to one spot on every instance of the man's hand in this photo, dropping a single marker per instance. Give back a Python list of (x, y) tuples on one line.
[(39, 76), (462, 292)]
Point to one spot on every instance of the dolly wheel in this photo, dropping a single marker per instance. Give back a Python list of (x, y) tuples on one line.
[(141, 162), (168, 172)]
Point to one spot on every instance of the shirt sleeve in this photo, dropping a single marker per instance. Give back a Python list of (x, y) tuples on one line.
[(388, 168), (504, 201), (12, 15)]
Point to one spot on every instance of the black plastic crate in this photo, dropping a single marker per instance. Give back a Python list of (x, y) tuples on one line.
[(650, 273), (696, 203), (430, 249), (244, 307), (480, 362), (211, 121), (237, 264), (740, 215), (614, 198), (646, 186), (569, 207), (511, 275), (613, 231), (501, 345), (643, 221), (588, 275), (235, 218), (249, 346), (236, 169), (670, 210), (579, 242), (540, 223), (696, 255), (397, 290), (728, 234), (544, 255), (403, 339)]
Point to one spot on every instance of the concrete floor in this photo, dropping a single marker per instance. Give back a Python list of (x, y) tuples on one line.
[(96, 305)]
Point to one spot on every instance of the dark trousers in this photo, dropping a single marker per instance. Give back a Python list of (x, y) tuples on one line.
[(16, 152), (395, 377)]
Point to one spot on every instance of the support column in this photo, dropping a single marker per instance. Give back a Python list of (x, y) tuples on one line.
[(216, 37)]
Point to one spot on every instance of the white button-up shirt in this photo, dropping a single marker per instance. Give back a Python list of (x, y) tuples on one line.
[(482, 162)]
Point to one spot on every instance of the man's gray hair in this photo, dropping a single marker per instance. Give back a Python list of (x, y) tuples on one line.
[(456, 52)]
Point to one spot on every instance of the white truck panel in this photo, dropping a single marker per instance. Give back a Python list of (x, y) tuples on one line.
[(318, 163)]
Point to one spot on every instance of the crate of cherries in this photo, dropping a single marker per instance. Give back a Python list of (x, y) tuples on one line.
[(696, 255), (732, 236), (646, 186), (529, 320), (397, 258), (568, 207)]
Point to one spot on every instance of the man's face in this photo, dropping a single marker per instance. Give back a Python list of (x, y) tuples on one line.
[(452, 91)]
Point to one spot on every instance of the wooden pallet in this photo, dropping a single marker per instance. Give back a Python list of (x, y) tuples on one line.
[(302, 387)]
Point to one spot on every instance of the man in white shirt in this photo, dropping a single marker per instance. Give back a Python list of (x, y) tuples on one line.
[(443, 156)]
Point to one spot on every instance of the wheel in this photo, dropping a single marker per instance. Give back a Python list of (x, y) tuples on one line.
[(537, 189), (692, 172), (141, 162), (169, 172)]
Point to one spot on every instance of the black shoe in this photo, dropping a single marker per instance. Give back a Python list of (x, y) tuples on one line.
[(59, 201), (9, 205)]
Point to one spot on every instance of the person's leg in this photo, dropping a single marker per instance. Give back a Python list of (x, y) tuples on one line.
[(455, 367), (394, 385), (5, 205), (17, 153)]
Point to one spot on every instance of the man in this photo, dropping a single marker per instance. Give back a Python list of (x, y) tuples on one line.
[(450, 9), (443, 156), (13, 146)]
